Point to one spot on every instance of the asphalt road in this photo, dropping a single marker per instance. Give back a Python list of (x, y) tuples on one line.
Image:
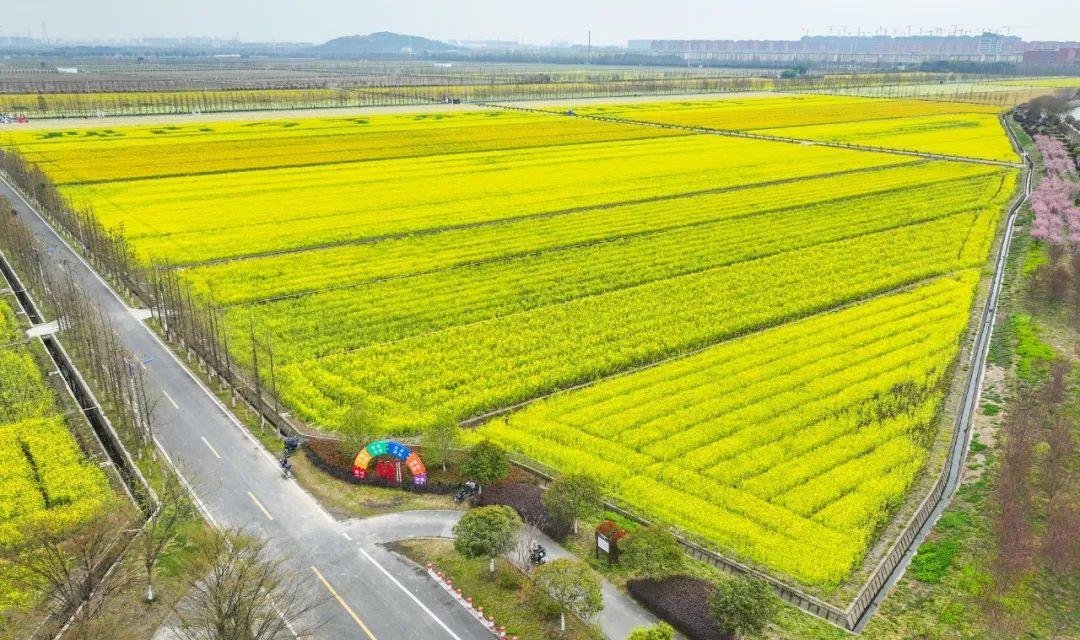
[(370, 593)]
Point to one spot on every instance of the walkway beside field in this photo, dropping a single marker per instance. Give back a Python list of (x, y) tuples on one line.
[(621, 613)]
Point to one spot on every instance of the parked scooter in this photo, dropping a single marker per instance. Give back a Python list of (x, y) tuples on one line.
[(470, 488)]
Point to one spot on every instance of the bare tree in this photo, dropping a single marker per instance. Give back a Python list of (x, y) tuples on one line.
[(1013, 492), (239, 590), (71, 569), (159, 533)]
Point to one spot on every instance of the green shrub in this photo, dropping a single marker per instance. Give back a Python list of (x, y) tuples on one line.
[(1033, 355), (933, 560)]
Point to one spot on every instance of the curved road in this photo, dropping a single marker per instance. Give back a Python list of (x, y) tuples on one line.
[(372, 594)]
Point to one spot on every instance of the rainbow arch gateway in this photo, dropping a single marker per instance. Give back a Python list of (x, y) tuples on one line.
[(397, 452)]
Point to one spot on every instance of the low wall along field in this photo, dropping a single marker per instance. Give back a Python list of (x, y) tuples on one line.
[(758, 334)]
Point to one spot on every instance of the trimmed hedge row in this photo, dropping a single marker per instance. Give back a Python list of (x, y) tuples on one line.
[(683, 601), (525, 499), (325, 456)]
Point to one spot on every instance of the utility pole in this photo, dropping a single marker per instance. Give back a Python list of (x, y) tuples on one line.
[(588, 57)]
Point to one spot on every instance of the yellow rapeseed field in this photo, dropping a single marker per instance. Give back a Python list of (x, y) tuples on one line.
[(763, 329), (45, 480), (949, 128)]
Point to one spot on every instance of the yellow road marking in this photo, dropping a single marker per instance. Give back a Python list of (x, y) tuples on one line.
[(343, 604)]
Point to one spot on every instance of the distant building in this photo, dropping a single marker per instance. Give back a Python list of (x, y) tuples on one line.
[(881, 49), (1064, 55)]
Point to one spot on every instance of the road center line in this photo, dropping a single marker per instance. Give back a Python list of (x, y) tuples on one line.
[(211, 447), (344, 605), (169, 398), (259, 505), (410, 594), (346, 534)]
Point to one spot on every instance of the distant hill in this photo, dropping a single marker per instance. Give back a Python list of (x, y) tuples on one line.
[(382, 42)]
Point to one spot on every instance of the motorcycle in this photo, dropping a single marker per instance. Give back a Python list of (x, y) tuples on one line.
[(538, 554), (292, 443), (464, 491), (286, 468)]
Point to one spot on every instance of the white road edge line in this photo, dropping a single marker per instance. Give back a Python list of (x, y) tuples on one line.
[(169, 398), (213, 397), (410, 594), (199, 503), (211, 447), (260, 505), (346, 534)]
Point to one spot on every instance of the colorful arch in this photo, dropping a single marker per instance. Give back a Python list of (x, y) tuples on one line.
[(395, 450)]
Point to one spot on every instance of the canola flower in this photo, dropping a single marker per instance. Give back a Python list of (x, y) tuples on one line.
[(949, 128), (45, 480), (766, 327)]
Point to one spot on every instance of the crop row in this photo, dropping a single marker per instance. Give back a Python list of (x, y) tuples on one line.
[(805, 436), (974, 135), (45, 480), (253, 279), (950, 128), (468, 369), (750, 112), (403, 307), (214, 216), (125, 153)]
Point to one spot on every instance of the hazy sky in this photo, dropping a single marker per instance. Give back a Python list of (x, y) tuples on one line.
[(540, 21)]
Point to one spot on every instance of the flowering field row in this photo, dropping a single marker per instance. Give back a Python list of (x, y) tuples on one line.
[(788, 446), (767, 325), (467, 369), (45, 479), (102, 155), (976, 135), (294, 273), (399, 308), (221, 215), (950, 128)]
